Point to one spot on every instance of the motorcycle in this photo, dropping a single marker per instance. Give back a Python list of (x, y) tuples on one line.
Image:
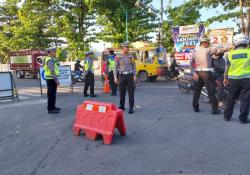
[(185, 81), (77, 77)]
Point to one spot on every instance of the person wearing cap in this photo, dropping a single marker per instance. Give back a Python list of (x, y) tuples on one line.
[(126, 67), (237, 76), (203, 74), (89, 74), (51, 69), (110, 66)]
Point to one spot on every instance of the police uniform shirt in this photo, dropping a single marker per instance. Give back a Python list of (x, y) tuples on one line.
[(125, 63)]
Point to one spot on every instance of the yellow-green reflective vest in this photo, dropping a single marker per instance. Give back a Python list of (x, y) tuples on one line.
[(86, 65), (111, 63), (239, 64), (48, 73)]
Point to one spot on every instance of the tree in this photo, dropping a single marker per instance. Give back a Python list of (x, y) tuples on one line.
[(8, 21), (111, 16), (229, 6), (75, 26)]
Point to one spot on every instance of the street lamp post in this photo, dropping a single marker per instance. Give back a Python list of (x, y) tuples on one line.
[(126, 15)]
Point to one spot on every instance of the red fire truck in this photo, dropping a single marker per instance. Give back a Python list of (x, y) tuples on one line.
[(26, 62)]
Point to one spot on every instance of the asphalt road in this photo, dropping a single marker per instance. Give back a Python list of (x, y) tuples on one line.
[(164, 136)]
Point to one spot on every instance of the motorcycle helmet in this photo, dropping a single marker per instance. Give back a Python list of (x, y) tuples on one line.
[(241, 39)]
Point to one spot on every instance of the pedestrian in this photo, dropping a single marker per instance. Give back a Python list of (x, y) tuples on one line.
[(219, 69), (203, 74), (110, 66), (89, 74), (51, 68), (125, 65), (237, 76)]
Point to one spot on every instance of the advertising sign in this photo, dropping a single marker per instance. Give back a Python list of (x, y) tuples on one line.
[(6, 85), (21, 59), (186, 39), (64, 76), (221, 37)]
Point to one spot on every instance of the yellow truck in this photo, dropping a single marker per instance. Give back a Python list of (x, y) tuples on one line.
[(148, 64)]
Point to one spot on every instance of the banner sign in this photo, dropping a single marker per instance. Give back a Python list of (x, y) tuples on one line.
[(221, 37), (186, 39), (64, 76)]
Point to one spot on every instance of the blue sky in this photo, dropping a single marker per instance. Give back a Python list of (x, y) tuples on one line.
[(206, 13)]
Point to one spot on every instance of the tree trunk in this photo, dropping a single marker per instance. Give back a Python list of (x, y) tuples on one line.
[(248, 22)]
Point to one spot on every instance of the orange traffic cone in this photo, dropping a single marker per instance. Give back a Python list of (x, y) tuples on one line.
[(106, 88)]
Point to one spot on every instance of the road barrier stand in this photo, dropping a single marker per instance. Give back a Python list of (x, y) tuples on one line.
[(99, 118)]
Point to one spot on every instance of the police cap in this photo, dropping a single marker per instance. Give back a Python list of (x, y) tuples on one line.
[(125, 44), (89, 53), (53, 49)]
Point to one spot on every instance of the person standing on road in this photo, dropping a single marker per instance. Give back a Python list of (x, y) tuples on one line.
[(219, 69), (237, 76), (110, 62), (126, 67), (203, 74), (89, 74), (51, 69)]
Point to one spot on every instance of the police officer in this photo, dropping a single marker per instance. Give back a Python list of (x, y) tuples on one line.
[(126, 67), (237, 76), (89, 74), (51, 68), (110, 62), (203, 74)]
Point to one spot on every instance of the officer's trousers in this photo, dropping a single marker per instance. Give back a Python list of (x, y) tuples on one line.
[(89, 82), (205, 79), (238, 88), (51, 93), (112, 84), (126, 82)]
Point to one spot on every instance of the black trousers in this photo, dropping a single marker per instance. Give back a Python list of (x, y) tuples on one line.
[(89, 82), (205, 79), (112, 84), (238, 89), (51, 93), (126, 82), (219, 86)]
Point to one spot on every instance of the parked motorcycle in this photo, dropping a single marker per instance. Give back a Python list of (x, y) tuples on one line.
[(185, 81)]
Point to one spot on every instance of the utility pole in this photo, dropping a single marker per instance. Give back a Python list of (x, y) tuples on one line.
[(161, 24)]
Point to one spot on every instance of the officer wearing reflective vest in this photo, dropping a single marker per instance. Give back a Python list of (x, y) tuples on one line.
[(237, 76), (89, 74), (126, 67), (51, 68), (110, 62)]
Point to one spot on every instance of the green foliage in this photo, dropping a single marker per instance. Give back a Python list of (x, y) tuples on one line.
[(112, 19)]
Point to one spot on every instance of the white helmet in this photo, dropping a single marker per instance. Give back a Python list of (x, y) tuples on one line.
[(241, 39)]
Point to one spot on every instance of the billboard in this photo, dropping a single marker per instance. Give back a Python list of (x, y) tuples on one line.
[(221, 37), (64, 76), (186, 39)]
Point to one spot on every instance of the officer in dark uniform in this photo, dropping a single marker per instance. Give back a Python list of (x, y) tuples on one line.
[(126, 67), (51, 68), (110, 62), (89, 74)]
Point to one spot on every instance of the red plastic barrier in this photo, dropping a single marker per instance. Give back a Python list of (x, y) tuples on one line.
[(99, 118)]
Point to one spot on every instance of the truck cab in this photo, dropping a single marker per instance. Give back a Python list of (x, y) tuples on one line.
[(26, 62), (150, 64)]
